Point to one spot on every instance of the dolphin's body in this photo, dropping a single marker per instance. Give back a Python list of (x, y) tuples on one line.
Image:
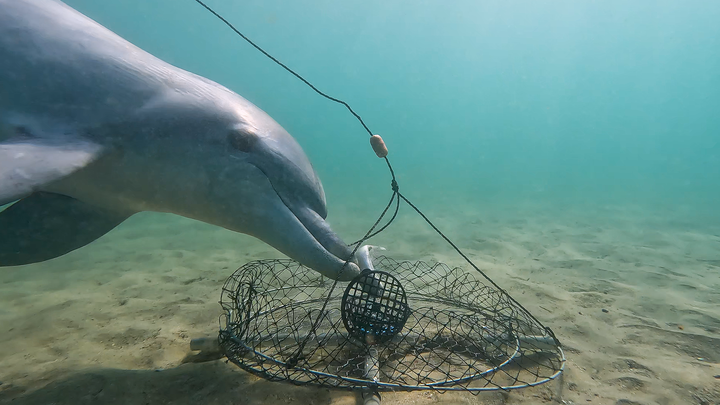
[(94, 129)]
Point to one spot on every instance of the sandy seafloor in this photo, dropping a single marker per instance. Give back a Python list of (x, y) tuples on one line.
[(111, 323)]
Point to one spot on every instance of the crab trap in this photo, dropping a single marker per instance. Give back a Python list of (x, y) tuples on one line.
[(400, 326)]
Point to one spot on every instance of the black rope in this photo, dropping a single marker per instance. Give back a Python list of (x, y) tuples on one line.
[(232, 27), (467, 259), (397, 208), (294, 359), (396, 193)]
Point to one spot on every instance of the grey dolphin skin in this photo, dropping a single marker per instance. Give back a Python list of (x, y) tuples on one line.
[(94, 129)]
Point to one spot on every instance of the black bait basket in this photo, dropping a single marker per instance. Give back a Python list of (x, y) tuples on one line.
[(407, 326)]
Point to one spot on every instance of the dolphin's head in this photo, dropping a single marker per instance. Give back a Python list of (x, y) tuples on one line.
[(264, 185)]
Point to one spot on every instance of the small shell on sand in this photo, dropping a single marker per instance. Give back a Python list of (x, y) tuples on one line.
[(378, 146)]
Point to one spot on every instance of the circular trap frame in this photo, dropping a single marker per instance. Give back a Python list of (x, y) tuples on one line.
[(284, 322)]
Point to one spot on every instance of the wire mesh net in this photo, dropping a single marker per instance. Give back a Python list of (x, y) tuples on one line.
[(374, 307), (459, 333)]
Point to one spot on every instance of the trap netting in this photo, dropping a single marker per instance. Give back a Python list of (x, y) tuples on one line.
[(410, 326)]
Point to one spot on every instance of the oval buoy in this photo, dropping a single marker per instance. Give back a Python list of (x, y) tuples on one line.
[(378, 146)]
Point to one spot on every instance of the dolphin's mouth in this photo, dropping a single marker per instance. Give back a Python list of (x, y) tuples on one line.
[(325, 237), (321, 231), (317, 228)]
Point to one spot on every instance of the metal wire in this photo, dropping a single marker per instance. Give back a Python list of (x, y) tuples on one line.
[(462, 333)]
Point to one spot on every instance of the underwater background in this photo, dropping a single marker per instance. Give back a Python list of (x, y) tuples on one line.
[(593, 101), (571, 148)]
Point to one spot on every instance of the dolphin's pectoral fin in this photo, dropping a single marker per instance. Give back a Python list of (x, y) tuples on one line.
[(28, 164), (47, 225)]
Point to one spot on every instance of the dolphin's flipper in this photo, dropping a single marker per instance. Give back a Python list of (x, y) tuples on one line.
[(47, 225), (28, 164)]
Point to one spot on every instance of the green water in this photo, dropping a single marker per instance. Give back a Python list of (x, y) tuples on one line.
[(608, 101), (571, 148)]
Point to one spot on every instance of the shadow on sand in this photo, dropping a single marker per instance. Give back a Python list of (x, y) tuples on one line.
[(205, 383)]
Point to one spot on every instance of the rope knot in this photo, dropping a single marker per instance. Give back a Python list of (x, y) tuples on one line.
[(395, 186)]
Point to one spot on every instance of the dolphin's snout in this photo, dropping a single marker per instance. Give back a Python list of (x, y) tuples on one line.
[(298, 187), (160, 138)]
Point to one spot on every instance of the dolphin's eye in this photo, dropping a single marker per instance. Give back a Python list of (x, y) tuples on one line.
[(241, 140)]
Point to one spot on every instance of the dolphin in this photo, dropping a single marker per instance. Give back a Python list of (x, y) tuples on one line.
[(93, 130)]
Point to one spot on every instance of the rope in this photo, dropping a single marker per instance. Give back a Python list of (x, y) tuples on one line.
[(232, 27), (396, 193)]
